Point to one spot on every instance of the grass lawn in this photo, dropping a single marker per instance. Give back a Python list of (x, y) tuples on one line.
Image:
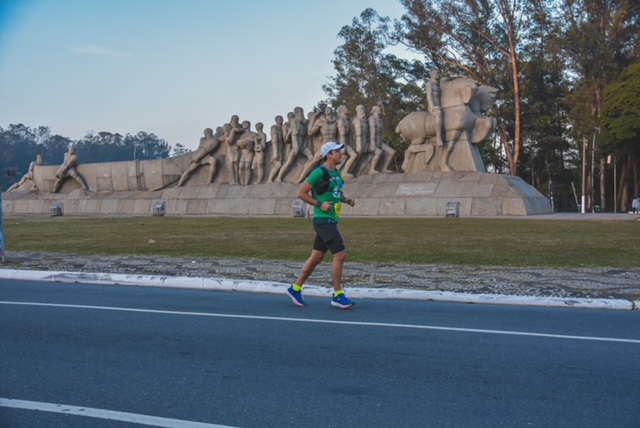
[(461, 241)]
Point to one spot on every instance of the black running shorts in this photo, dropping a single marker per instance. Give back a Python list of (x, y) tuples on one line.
[(328, 237)]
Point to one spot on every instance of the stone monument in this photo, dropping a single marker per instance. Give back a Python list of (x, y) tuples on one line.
[(445, 137), (442, 166)]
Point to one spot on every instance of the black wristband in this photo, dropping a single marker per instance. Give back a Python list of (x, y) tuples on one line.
[(318, 204)]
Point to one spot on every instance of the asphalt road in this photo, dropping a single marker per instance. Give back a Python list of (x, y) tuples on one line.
[(74, 355)]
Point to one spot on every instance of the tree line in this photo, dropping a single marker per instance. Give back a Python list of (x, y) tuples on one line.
[(568, 107), (567, 73)]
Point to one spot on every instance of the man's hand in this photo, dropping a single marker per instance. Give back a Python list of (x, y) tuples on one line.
[(326, 206)]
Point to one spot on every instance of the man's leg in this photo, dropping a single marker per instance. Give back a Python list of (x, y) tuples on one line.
[(295, 291), (336, 269), (309, 266), (339, 299)]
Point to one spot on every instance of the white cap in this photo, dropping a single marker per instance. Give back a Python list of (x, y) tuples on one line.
[(330, 146)]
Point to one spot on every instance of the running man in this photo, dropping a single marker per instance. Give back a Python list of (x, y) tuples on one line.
[(328, 205)]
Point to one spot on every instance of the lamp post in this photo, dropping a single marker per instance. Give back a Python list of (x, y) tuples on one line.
[(584, 175)]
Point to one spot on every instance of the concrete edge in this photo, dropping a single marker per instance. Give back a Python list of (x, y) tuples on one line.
[(250, 286)]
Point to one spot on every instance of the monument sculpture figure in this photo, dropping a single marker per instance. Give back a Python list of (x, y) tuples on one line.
[(246, 145), (434, 93), (297, 132), (232, 129), (203, 156), (68, 169), (292, 152), (313, 139), (286, 131), (344, 138), (361, 130), (260, 146), (277, 148), (377, 141), (464, 104), (28, 176), (325, 125)]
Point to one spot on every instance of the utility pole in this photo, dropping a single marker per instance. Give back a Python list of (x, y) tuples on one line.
[(593, 157), (584, 176), (612, 159), (1, 231)]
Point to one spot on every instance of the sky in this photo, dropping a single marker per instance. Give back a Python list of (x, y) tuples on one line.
[(167, 67)]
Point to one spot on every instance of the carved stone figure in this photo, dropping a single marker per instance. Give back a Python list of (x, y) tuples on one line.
[(232, 130), (377, 142), (68, 169), (277, 148), (28, 176), (259, 148), (464, 103), (344, 137), (286, 129), (324, 124), (246, 144), (203, 156), (297, 131), (434, 104), (361, 130), (313, 138)]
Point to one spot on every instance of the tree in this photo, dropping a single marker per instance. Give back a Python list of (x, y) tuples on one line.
[(17, 148), (149, 146), (180, 149), (478, 39), (601, 39), (102, 147), (107, 147), (366, 74), (621, 113), (547, 150), (54, 148), (621, 127)]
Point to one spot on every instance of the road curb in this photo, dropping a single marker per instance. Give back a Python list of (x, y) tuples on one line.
[(251, 286)]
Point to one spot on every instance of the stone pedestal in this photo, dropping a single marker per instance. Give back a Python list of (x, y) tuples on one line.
[(386, 195)]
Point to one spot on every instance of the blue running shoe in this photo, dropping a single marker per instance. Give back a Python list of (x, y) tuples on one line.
[(342, 302), (296, 296)]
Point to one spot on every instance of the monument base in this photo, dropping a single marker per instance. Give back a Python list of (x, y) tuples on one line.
[(425, 194)]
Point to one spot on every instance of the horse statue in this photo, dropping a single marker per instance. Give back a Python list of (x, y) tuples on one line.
[(464, 104)]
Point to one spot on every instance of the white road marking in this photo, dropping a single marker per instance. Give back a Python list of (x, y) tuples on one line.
[(105, 414), (322, 321)]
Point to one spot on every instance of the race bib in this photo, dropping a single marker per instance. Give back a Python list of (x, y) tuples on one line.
[(338, 208)]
